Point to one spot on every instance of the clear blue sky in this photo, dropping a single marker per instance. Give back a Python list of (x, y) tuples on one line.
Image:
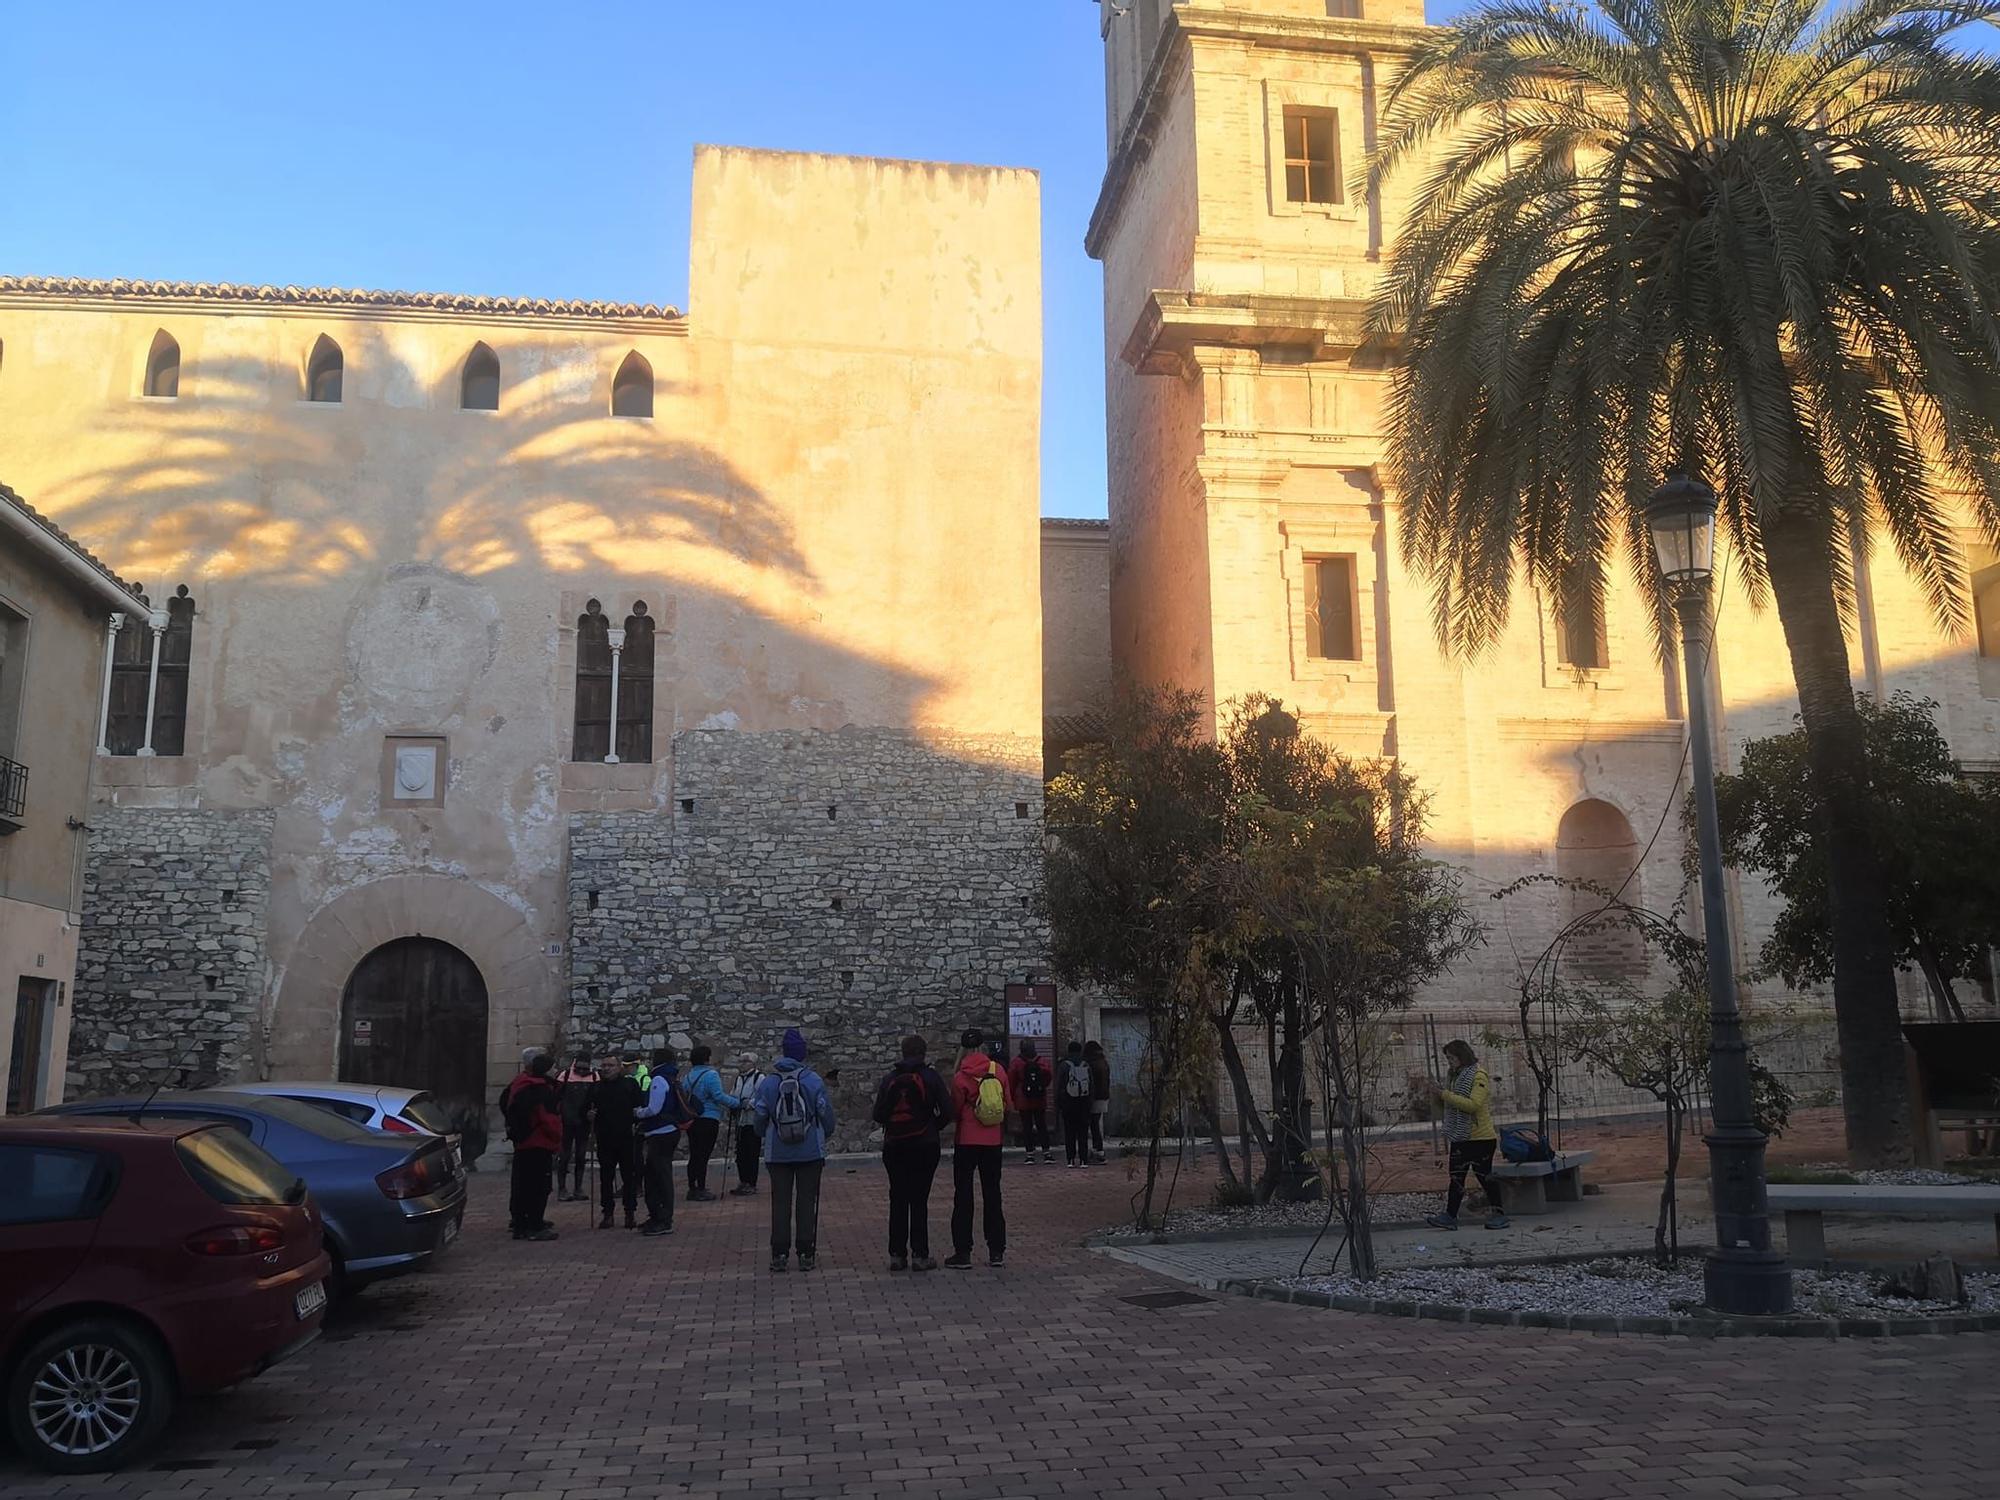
[(528, 149)]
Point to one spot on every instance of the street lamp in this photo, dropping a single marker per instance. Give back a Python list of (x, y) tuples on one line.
[(1743, 1273)]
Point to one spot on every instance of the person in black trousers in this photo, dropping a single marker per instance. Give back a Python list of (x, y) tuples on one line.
[(613, 1098), (1100, 1095), (1073, 1099), (912, 1106), (749, 1139), (975, 1152), (660, 1120)]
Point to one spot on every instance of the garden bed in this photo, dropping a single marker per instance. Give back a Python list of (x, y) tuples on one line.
[(1614, 1294), (1390, 1210)]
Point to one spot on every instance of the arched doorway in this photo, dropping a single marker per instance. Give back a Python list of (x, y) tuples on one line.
[(1595, 843), (413, 1015)]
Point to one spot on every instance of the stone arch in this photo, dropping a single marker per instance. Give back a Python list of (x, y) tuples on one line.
[(522, 983), (1595, 843)]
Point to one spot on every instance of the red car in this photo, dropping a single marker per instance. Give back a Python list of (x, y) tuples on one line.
[(140, 1263)]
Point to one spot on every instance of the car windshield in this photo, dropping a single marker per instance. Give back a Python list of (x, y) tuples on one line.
[(424, 1110), (231, 1170)]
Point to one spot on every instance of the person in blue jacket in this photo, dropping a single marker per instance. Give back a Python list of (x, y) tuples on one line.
[(795, 1112), (712, 1102)]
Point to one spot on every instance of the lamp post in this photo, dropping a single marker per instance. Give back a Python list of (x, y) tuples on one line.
[(1743, 1274)]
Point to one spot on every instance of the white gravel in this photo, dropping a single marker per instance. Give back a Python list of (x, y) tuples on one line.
[(1622, 1287), (1898, 1177)]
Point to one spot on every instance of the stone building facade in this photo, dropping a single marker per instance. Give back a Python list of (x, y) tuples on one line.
[(470, 599), (1254, 532), (55, 599)]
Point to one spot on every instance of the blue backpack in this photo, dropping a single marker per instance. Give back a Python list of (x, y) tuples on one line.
[(1518, 1143)]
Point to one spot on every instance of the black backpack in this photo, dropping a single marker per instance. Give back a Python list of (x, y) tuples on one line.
[(904, 1110), (1035, 1079)]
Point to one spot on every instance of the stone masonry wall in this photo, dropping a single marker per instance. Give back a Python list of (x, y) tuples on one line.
[(172, 961), (859, 884)]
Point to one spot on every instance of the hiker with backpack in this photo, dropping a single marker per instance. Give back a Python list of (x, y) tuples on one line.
[(979, 1113), (1073, 1100), (663, 1119), (711, 1102), (1028, 1080), (534, 1125), (749, 1139), (912, 1105), (1468, 1124), (795, 1112)]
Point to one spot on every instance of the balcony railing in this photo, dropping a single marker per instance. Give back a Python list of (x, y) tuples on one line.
[(13, 794)]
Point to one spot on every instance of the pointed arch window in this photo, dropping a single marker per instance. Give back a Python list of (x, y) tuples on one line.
[(632, 388), (614, 687), (146, 713), (163, 366), (479, 386), (323, 371)]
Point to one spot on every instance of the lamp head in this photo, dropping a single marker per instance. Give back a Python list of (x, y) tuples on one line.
[(1680, 514)]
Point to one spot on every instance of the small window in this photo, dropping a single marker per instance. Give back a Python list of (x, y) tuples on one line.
[(1331, 629), (632, 388), (323, 371), (1312, 156), (163, 366), (1580, 639), (133, 687), (479, 387), (47, 1185)]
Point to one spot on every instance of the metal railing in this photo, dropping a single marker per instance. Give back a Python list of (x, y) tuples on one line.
[(13, 789)]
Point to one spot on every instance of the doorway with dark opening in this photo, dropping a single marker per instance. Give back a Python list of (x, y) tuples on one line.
[(413, 1015)]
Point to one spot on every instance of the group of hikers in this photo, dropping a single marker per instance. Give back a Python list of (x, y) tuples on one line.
[(636, 1111)]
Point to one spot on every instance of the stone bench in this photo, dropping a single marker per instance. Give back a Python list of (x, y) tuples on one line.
[(1533, 1185), (1805, 1208)]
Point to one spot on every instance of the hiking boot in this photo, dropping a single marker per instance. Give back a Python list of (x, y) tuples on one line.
[(1076, 1164), (780, 1263), (658, 1227), (1048, 1158), (743, 1191), (631, 1219), (700, 1195), (923, 1263), (1498, 1220), (604, 1220), (958, 1262), (544, 1233), (899, 1263), (997, 1259), (807, 1261), (1441, 1221)]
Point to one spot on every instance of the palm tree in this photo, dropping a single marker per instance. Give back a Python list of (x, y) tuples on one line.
[(1754, 238)]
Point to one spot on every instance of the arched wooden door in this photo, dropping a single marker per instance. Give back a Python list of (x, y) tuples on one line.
[(414, 1015)]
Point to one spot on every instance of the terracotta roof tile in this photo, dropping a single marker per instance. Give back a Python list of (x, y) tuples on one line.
[(15, 502), (1081, 523), (332, 296)]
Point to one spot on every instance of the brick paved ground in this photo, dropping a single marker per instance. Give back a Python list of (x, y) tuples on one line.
[(603, 1365)]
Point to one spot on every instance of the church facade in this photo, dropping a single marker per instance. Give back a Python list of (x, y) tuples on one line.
[(521, 673), (1254, 528)]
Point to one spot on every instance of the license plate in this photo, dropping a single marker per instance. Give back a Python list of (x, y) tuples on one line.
[(310, 1301), (450, 1232)]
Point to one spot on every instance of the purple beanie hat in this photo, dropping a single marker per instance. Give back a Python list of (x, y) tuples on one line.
[(795, 1044)]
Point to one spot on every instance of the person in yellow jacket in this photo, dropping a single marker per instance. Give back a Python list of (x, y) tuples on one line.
[(1468, 1125)]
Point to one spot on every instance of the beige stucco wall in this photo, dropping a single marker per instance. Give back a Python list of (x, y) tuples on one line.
[(1242, 445), (1076, 617), (54, 737), (832, 515)]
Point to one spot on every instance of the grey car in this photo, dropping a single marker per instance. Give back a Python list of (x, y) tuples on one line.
[(391, 1204)]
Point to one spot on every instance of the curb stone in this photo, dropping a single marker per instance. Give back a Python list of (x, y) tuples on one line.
[(1647, 1324)]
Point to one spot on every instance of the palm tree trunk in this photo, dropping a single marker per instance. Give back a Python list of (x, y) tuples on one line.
[(1874, 1084)]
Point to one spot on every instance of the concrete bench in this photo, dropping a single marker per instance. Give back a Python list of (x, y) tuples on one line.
[(1805, 1208), (1533, 1185)]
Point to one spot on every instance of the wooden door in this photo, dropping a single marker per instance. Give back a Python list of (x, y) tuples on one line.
[(1124, 1034), (24, 1068), (414, 1015)]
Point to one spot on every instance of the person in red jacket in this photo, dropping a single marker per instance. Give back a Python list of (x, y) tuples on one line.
[(1028, 1080), (976, 1152), (534, 1125)]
